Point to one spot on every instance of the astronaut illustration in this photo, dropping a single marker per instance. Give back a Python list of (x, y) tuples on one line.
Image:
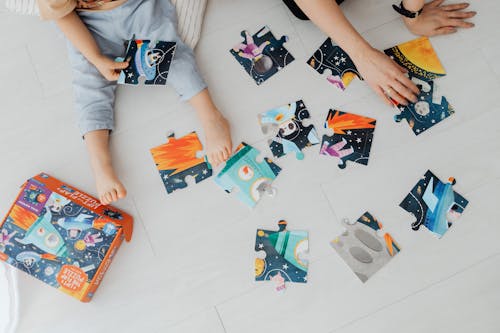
[(337, 150)]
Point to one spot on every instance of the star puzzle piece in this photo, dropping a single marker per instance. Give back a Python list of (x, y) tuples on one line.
[(330, 57), (291, 134), (281, 256), (252, 178), (177, 159), (364, 246), (262, 55), (431, 108), (150, 59), (419, 58), (351, 140), (434, 204)]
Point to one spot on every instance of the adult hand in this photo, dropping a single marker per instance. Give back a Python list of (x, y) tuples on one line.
[(109, 68), (439, 19), (385, 77)]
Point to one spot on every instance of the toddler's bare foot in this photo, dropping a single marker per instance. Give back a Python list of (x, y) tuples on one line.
[(109, 187), (218, 135)]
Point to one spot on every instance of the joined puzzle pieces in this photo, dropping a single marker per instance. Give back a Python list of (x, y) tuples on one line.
[(287, 124), (262, 55), (252, 178), (282, 255), (364, 246), (177, 160), (434, 204)]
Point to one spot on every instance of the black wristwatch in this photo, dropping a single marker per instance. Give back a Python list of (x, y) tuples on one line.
[(405, 12)]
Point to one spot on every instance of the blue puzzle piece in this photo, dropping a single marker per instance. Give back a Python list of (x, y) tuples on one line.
[(251, 177)]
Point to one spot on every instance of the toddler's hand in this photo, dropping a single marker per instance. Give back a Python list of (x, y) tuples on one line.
[(438, 19), (109, 68)]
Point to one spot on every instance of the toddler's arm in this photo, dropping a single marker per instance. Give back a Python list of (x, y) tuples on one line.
[(78, 34)]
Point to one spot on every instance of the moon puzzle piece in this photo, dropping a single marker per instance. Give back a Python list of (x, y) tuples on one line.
[(434, 204), (290, 133), (331, 57), (282, 256), (364, 246), (351, 140), (150, 59), (177, 159), (261, 54), (252, 178)]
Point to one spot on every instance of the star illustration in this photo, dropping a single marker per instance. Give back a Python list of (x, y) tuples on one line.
[(358, 140), (349, 132), (285, 266), (261, 246)]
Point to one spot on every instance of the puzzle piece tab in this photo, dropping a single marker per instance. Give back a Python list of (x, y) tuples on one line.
[(352, 137), (434, 204), (431, 108), (331, 57), (364, 246), (262, 55), (291, 134), (419, 58), (177, 160), (251, 177), (150, 59), (283, 255)]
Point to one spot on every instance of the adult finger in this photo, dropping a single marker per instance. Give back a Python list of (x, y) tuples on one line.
[(409, 84), (455, 6), (435, 3), (383, 96), (445, 31), (404, 91), (392, 93), (461, 15), (459, 23)]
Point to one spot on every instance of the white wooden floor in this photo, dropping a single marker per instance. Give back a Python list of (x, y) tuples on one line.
[(189, 267)]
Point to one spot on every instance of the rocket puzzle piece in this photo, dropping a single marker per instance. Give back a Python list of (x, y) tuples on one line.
[(419, 58), (251, 177), (177, 160), (331, 57), (364, 246), (434, 204), (282, 255), (262, 55), (150, 59), (431, 108), (291, 135), (352, 137)]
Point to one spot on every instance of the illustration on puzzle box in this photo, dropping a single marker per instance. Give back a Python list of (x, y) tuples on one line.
[(252, 178), (351, 140), (434, 204), (150, 59), (282, 255), (291, 134), (432, 108), (177, 159), (364, 246), (330, 57), (262, 55)]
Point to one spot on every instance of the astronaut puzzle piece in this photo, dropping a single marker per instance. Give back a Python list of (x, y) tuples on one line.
[(330, 57), (150, 59), (177, 160), (352, 137), (419, 58), (281, 256), (262, 55), (252, 178), (365, 246), (434, 204), (431, 108), (291, 135)]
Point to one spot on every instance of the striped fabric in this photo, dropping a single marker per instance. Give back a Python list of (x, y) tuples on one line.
[(190, 14)]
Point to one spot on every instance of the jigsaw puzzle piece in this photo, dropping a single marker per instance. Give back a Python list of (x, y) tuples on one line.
[(331, 57), (434, 204), (364, 246), (251, 177), (291, 134), (352, 137), (261, 54), (419, 58), (150, 59), (177, 159), (432, 108), (283, 258)]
